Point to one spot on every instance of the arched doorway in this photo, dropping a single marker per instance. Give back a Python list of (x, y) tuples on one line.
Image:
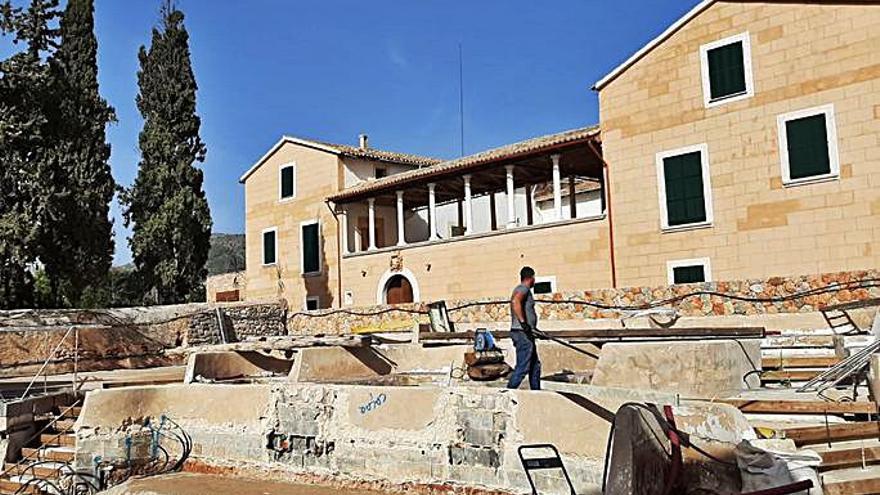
[(398, 290), (397, 287)]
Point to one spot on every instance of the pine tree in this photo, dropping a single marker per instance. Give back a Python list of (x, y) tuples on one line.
[(166, 205), (76, 238), (25, 83)]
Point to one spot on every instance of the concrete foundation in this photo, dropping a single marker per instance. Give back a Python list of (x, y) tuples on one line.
[(429, 435)]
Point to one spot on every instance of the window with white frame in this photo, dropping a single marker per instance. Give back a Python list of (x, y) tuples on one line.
[(287, 182), (310, 247), (808, 145), (270, 246), (690, 271), (544, 285), (684, 187), (313, 303), (726, 67)]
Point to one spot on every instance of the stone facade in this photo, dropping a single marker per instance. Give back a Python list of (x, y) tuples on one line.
[(804, 55), (226, 284), (842, 287)]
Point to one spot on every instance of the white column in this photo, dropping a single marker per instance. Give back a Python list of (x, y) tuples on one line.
[(372, 202), (511, 206), (432, 211), (401, 235), (557, 188), (468, 208), (343, 226)]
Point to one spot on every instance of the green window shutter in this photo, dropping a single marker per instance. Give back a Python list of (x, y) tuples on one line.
[(543, 288), (727, 72), (683, 176), (286, 182), (688, 274), (808, 147), (269, 255), (310, 248)]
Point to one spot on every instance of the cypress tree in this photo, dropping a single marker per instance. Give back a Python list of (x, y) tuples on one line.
[(166, 206), (25, 86), (76, 238)]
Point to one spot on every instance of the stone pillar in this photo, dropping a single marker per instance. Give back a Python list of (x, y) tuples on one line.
[(511, 206), (557, 188), (468, 207), (432, 212), (401, 235), (372, 203), (343, 227)]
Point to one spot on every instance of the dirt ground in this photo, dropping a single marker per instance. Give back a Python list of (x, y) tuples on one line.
[(201, 484)]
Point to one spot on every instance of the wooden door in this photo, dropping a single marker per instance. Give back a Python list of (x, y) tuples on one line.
[(398, 290)]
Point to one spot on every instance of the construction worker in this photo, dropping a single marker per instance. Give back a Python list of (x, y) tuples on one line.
[(523, 320)]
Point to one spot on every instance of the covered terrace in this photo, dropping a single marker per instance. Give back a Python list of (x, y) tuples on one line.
[(488, 193)]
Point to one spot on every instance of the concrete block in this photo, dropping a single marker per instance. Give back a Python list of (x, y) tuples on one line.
[(474, 456), (694, 369)]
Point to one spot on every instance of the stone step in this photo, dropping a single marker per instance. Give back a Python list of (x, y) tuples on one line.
[(54, 439), (61, 454), (12, 486), (47, 470), (790, 341), (795, 375), (852, 481)]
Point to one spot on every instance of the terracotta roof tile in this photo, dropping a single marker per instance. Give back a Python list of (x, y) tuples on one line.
[(508, 151)]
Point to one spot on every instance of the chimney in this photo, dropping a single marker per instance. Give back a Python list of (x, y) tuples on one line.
[(363, 141)]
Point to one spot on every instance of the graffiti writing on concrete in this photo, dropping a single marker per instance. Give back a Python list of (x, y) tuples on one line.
[(373, 403)]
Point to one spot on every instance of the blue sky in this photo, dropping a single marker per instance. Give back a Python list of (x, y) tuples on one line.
[(332, 69)]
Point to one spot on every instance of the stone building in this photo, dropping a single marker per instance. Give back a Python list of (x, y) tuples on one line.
[(743, 142)]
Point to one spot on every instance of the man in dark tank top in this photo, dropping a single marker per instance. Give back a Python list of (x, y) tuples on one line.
[(523, 320)]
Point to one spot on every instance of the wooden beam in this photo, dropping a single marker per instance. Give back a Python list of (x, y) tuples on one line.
[(866, 485), (623, 333), (801, 406), (789, 375), (800, 362), (850, 457), (834, 433)]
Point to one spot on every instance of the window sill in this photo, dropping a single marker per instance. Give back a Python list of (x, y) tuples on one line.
[(269, 265), (683, 228), (717, 102), (806, 181), (312, 274), (286, 200)]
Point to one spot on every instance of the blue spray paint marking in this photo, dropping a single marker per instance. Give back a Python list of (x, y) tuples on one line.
[(373, 404)]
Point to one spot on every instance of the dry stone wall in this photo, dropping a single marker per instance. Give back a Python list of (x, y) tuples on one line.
[(742, 297)]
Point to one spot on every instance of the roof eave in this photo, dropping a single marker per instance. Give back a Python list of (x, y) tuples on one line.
[(281, 142), (620, 69)]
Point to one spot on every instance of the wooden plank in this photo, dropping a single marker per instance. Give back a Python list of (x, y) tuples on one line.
[(837, 459), (835, 433), (789, 375), (799, 362), (801, 406), (623, 333), (861, 486)]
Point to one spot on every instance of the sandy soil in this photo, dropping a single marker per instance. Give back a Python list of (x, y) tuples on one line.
[(201, 484)]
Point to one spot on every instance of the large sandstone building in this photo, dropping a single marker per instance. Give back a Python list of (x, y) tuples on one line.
[(743, 142)]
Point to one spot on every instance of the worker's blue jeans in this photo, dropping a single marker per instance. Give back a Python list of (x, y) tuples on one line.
[(527, 362)]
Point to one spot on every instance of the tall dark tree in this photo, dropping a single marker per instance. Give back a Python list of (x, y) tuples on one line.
[(25, 86), (76, 238), (166, 205)]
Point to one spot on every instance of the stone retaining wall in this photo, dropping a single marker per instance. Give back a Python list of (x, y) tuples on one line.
[(384, 318)]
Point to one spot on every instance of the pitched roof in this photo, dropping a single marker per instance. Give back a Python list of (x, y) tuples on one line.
[(460, 164), (694, 12), (345, 150)]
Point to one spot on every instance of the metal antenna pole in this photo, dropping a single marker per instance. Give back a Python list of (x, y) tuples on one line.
[(461, 96)]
